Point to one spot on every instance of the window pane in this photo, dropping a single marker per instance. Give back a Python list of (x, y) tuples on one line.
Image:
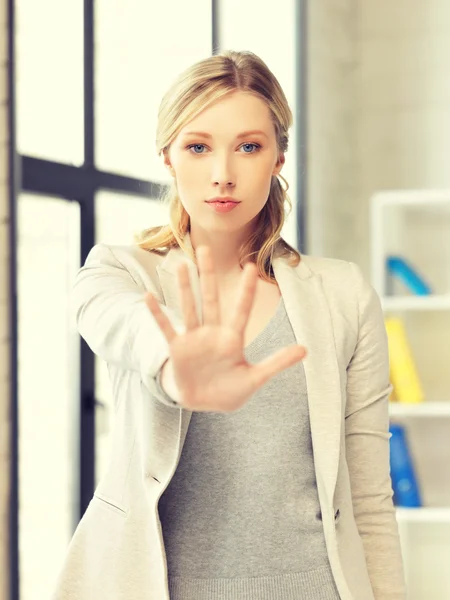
[(48, 257), (141, 47), (118, 218), (49, 79)]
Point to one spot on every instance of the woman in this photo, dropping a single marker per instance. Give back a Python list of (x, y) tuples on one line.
[(251, 384)]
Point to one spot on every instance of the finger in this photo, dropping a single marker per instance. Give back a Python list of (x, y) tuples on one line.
[(187, 299), (240, 316), (208, 286), (162, 320), (271, 366)]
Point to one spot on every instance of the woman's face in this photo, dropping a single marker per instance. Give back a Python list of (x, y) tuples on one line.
[(229, 149)]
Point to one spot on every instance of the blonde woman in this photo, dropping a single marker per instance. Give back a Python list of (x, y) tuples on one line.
[(251, 449)]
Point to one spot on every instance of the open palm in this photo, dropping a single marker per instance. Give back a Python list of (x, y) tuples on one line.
[(207, 360)]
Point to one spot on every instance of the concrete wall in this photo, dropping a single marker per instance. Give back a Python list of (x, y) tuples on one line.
[(403, 103), (4, 333), (331, 169), (378, 117)]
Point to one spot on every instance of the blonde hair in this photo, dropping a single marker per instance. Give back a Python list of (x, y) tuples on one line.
[(195, 89)]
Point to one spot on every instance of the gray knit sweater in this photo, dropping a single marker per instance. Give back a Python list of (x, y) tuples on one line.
[(241, 516)]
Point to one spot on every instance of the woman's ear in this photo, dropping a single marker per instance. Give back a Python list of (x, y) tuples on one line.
[(167, 162), (279, 165)]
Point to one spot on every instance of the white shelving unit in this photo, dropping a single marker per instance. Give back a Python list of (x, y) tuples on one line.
[(424, 515), (424, 409), (416, 225), (402, 303)]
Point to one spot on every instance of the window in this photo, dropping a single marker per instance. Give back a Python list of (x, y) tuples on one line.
[(48, 378), (49, 79), (141, 47), (118, 218)]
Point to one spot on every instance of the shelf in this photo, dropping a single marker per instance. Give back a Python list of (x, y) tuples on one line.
[(421, 409), (432, 302), (427, 514), (415, 224), (426, 199)]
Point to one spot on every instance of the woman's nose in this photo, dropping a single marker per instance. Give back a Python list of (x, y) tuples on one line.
[(226, 184), (222, 174)]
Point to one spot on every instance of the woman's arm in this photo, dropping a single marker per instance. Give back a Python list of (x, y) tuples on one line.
[(367, 447), (114, 320)]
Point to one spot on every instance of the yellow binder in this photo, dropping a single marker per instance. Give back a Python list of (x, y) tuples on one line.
[(403, 373)]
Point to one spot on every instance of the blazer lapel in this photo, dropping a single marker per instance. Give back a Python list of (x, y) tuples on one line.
[(308, 312)]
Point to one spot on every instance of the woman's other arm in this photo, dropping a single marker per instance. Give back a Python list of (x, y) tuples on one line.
[(367, 447)]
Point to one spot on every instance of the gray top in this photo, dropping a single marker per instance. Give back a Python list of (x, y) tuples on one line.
[(241, 515)]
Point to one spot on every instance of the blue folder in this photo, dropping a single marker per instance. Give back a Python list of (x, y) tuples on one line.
[(403, 477), (399, 267)]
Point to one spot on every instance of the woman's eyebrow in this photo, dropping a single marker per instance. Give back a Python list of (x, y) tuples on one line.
[(244, 134)]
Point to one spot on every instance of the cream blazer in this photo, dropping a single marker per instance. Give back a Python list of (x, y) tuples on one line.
[(117, 551)]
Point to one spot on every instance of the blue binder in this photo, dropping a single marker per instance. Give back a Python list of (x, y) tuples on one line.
[(404, 482), (399, 267)]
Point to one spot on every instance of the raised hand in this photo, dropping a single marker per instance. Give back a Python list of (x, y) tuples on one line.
[(207, 361)]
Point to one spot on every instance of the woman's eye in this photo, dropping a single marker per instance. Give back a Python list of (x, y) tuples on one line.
[(196, 147), (255, 146)]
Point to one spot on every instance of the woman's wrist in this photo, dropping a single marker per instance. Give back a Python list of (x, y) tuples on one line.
[(168, 381)]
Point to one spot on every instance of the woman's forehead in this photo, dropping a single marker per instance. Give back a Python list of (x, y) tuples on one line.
[(247, 110)]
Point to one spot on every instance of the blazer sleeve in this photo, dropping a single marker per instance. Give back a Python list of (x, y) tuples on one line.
[(112, 317), (367, 446)]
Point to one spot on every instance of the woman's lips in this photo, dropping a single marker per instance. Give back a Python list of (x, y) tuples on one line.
[(223, 207)]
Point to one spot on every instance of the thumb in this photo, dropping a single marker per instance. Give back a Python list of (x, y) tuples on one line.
[(282, 359)]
